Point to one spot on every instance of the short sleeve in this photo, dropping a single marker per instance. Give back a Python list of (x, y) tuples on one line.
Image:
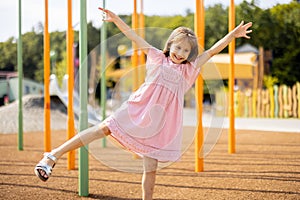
[(191, 74), (154, 58)]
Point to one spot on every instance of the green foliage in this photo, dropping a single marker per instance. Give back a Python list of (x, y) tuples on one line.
[(160, 27), (8, 52), (269, 81), (93, 36), (249, 12), (33, 56), (57, 45), (276, 29), (61, 69), (286, 42), (216, 24)]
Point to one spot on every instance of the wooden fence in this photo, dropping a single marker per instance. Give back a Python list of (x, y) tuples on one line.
[(274, 102)]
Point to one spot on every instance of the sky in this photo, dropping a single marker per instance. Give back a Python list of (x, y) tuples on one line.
[(33, 12)]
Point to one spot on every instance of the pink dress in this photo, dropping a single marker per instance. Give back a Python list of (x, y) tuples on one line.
[(149, 123)]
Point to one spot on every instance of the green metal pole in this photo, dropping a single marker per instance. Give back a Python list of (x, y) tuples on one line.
[(20, 79), (103, 78), (83, 88)]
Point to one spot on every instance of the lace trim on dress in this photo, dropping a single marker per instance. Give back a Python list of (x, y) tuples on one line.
[(133, 145)]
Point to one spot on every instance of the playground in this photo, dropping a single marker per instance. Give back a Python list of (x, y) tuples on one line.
[(265, 166), (245, 147)]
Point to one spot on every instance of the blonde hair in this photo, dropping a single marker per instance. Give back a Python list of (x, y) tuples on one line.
[(179, 34)]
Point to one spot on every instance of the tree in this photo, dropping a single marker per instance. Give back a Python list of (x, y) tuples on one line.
[(216, 24), (276, 29), (249, 12), (33, 55), (285, 42), (8, 52)]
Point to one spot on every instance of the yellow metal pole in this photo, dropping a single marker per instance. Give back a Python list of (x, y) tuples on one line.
[(231, 134), (70, 64), (47, 131), (199, 27), (134, 48)]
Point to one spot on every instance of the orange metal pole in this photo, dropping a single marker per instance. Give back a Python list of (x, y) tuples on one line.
[(142, 59), (134, 57), (231, 134), (134, 48), (70, 64), (199, 26), (47, 131)]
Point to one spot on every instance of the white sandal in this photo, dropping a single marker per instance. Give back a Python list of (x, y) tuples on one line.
[(43, 166)]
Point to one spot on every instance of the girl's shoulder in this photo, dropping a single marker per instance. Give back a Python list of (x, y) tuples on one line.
[(155, 51), (155, 54)]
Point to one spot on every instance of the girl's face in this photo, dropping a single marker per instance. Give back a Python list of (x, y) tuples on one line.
[(180, 51)]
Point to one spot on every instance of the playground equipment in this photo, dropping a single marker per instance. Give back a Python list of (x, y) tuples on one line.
[(83, 117), (199, 30), (200, 33), (277, 101), (47, 133), (83, 122), (231, 131), (20, 74), (103, 70), (93, 114), (217, 67), (9, 87), (70, 69)]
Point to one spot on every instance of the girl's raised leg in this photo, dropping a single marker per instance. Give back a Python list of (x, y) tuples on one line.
[(79, 140), (148, 182), (82, 138)]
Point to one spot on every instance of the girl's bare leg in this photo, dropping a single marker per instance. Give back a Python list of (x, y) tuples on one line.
[(82, 138), (79, 140), (148, 182)]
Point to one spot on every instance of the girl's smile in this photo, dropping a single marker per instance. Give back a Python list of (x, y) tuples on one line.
[(180, 51)]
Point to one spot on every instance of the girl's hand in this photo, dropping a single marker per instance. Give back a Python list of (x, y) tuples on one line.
[(242, 30), (110, 16), (126, 30)]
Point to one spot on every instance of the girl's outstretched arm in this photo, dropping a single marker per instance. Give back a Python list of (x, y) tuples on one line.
[(240, 31), (128, 32)]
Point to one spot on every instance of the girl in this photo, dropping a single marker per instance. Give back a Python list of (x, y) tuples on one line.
[(150, 122)]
